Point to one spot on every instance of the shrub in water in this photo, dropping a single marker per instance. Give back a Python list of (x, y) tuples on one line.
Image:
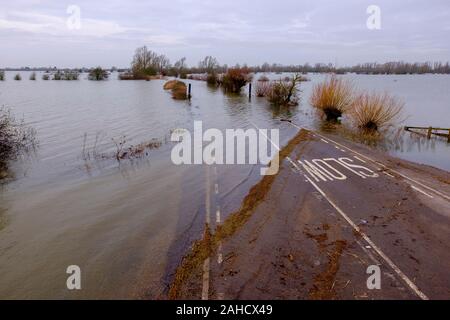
[(235, 79), (284, 93), (262, 88), (18, 77), (33, 76), (371, 112), (98, 74), (178, 89), (15, 138), (2, 75), (333, 97)]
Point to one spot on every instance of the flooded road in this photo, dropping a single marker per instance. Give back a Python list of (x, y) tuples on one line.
[(127, 226)]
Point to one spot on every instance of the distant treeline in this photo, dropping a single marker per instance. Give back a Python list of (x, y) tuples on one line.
[(399, 67), (149, 63)]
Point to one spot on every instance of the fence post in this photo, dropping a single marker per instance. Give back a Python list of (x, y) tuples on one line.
[(189, 91), (250, 91), (448, 141)]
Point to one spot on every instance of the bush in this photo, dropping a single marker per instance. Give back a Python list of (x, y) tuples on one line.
[(15, 138), (262, 88), (235, 79), (211, 79), (2, 75), (169, 85), (46, 76), (371, 112), (333, 97), (33, 76), (66, 75), (18, 77), (263, 78), (98, 74), (284, 92), (179, 89)]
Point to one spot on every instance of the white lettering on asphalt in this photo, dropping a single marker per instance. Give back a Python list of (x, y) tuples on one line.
[(322, 170)]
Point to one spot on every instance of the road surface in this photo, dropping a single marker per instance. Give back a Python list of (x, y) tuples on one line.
[(334, 215)]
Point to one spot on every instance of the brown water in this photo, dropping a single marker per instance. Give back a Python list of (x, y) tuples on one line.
[(128, 225)]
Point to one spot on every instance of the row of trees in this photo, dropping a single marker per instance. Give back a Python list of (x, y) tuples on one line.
[(398, 67), (148, 63)]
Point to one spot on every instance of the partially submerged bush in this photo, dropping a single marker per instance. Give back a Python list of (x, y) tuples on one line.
[(66, 75), (262, 88), (211, 79), (15, 138), (46, 77), (235, 79), (2, 75), (263, 78), (33, 76), (284, 93), (98, 74), (179, 89), (333, 97), (371, 112), (170, 84), (18, 77)]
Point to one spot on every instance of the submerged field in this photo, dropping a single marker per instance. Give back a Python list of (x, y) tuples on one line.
[(128, 225)]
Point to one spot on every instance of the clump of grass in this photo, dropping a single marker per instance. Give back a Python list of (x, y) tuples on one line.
[(372, 112), (18, 77), (2, 75), (211, 79), (15, 138), (235, 79), (170, 84), (33, 76), (333, 97), (98, 74), (262, 88), (179, 89), (284, 92), (67, 75)]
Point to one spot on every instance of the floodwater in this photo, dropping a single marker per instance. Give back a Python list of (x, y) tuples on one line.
[(128, 224)]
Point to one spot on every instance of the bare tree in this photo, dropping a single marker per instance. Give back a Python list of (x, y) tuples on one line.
[(209, 64), (146, 63)]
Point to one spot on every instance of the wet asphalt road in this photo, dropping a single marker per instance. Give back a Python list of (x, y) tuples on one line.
[(333, 214)]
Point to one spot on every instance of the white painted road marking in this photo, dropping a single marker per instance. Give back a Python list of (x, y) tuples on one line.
[(421, 191), (381, 164), (322, 170)]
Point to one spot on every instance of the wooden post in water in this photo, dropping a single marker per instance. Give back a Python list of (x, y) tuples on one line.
[(430, 131), (189, 91), (448, 141), (250, 91)]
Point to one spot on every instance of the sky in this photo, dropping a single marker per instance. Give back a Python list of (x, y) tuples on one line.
[(49, 33)]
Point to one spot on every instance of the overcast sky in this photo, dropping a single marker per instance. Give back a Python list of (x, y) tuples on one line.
[(35, 32)]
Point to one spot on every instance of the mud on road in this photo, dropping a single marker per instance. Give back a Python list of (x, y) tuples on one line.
[(313, 230)]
